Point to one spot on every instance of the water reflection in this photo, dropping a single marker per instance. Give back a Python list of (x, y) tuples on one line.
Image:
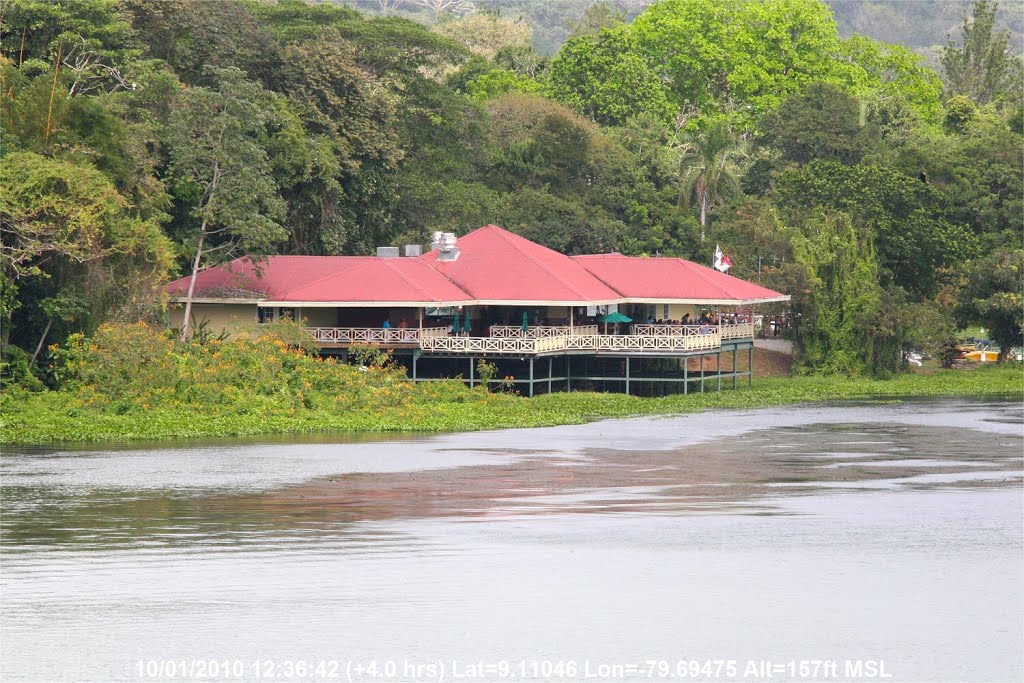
[(741, 475)]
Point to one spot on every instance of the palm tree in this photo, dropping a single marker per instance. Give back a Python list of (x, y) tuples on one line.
[(706, 179)]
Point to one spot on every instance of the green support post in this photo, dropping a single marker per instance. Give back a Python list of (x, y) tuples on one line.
[(750, 367)]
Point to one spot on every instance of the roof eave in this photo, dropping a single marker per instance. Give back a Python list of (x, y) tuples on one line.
[(705, 302), (365, 304), (215, 300)]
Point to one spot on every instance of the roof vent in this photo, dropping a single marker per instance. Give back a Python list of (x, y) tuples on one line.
[(435, 241), (387, 252), (413, 250), (447, 251)]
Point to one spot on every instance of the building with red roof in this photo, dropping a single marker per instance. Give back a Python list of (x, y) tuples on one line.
[(516, 297)]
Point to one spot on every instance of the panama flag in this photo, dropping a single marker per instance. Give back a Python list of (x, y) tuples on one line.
[(722, 262)]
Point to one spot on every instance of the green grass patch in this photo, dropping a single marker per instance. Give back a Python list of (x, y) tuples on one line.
[(386, 404)]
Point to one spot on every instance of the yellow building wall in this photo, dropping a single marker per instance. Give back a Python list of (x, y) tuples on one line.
[(319, 317), (677, 311), (218, 317)]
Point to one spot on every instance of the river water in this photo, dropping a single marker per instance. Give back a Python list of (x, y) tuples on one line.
[(838, 542)]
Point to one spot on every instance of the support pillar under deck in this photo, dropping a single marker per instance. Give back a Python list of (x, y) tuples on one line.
[(531, 377), (750, 366), (627, 375)]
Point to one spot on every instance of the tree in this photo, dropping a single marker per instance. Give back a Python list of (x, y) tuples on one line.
[(891, 75), (220, 164), (993, 296), (499, 81), (707, 179), (439, 7), (74, 241), (485, 33), (823, 122), (346, 147), (837, 319), (738, 57), (914, 238), (604, 78), (982, 68), (600, 15)]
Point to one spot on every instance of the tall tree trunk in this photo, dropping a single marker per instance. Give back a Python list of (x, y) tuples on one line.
[(192, 283), (53, 93), (39, 346), (703, 211)]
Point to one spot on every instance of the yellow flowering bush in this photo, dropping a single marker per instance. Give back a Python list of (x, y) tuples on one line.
[(123, 368)]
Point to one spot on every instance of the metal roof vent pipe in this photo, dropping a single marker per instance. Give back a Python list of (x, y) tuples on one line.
[(447, 251), (435, 241), (413, 250), (387, 252)]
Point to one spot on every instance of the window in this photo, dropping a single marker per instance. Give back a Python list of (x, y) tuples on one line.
[(274, 313)]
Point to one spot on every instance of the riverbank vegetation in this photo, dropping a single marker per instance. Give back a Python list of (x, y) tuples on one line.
[(141, 140), (132, 382)]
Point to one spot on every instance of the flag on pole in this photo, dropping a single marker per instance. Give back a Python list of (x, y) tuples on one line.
[(722, 262)]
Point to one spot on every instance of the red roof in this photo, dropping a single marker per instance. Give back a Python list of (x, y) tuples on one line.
[(673, 279), (497, 266), (382, 281), (271, 277), (494, 266)]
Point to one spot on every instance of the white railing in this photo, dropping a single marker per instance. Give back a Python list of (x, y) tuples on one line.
[(632, 342), (372, 335), (540, 331), (481, 344), (652, 330), (728, 330), (594, 342), (738, 331), (679, 339)]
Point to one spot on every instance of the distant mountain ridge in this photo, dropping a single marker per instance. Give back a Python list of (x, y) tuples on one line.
[(922, 25)]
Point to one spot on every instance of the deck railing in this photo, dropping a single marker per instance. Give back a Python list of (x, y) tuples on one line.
[(540, 331), (482, 345), (373, 335), (728, 330), (634, 342), (644, 339), (738, 331), (594, 342)]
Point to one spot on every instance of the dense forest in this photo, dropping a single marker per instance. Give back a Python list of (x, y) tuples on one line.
[(142, 139)]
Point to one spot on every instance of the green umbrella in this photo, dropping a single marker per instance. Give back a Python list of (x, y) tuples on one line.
[(614, 317), (455, 325), (526, 321), (467, 327)]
